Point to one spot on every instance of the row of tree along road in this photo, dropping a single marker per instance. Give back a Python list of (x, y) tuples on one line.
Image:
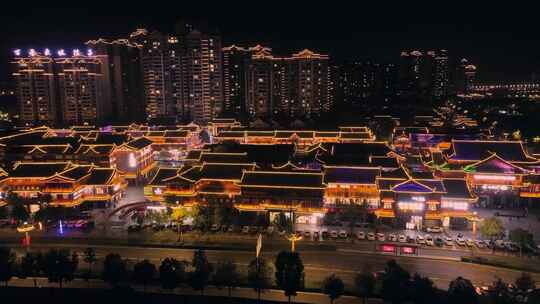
[(393, 285)]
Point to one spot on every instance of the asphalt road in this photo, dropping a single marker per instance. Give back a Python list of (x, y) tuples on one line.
[(319, 264)]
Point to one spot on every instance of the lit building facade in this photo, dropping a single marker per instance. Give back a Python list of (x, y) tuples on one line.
[(201, 91), (67, 184), (441, 77), (122, 77), (156, 65), (35, 87), (80, 89)]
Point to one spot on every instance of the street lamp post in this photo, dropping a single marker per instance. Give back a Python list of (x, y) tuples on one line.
[(293, 238), (26, 228)]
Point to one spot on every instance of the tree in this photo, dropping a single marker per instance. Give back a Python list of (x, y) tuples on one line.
[(422, 290), (3, 212), (60, 266), (462, 291), (30, 266), (534, 297), (525, 282), (365, 284), (225, 215), (202, 271), (522, 238), (226, 275), (259, 276), (499, 293), (114, 269), (333, 287), (144, 272), (289, 272), (202, 217), (394, 283), (491, 227), (20, 213), (352, 214), (172, 273), (178, 215), (7, 264), (89, 257)]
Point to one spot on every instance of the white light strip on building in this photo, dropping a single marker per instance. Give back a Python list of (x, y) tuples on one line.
[(416, 206), (495, 177)]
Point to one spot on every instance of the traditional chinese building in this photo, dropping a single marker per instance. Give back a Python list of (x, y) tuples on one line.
[(66, 184)]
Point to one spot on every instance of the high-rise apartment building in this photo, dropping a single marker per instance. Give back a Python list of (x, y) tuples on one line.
[(287, 87), (236, 61), (441, 77), (201, 97), (424, 74), (466, 77), (312, 95), (122, 77), (66, 88), (80, 88), (264, 82), (35, 87), (360, 80), (155, 59)]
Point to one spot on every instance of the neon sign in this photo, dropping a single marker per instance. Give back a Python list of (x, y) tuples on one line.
[(495, 177)]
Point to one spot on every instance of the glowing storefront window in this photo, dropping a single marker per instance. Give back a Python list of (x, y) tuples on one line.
[(454, 205), (413, 206), (132, 161)]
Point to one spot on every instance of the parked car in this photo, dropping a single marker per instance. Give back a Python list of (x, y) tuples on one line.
[(461, 242), (134, 228), (316, 235), (361, 235), (402, 238), (371, 236), (448, 241), (470, 243), (479, 243), (439, 241), (380, 237), (324, 234), (307, 234), (392, 238), (429, 240), (434, 229), (499, 244), (420, 240), (334, 234), (270, 230), (343, 234), (245, 229), (511, 247), (214, 227), (230, 228)]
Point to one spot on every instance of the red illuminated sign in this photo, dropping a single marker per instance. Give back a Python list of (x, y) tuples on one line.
[(408, 250), (388, 248)]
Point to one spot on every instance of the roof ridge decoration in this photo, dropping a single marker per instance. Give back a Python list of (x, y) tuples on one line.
[(471, 168), (421, 187)]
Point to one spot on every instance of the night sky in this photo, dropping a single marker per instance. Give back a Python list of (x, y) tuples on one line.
[(503, 42)]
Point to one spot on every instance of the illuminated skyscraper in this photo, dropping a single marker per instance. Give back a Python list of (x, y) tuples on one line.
[(235, 69), (441, 77), (201, 98), (35, 87), (122, 77), (156, 66), (80, 88)]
